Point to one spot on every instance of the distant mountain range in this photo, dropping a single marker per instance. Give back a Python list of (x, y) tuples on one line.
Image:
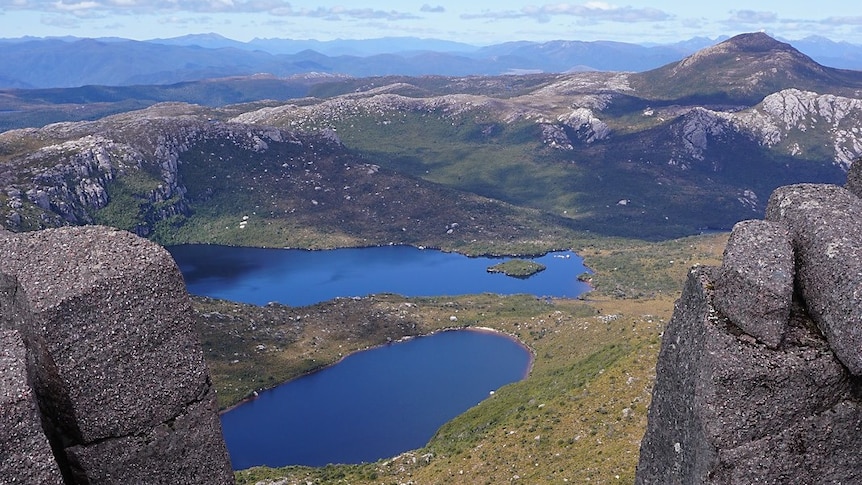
[(30, 63)]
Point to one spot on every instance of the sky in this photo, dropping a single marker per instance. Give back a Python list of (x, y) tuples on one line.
[(477, 22)]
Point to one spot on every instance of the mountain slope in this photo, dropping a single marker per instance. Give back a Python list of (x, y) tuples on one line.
[(174, 173), (597, 150), (743, 69)]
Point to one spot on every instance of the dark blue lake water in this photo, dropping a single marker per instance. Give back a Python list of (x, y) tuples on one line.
[(381, 402), (373, 404), (298, 277)]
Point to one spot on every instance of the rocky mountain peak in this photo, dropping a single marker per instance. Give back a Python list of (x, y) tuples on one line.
[(744, 70), (754, 52), (754, 42)]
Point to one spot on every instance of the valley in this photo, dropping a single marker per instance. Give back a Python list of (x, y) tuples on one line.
[(586, 397), (641, 173)]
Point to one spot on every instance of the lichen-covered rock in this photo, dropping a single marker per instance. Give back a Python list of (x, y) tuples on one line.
[(754, 288), (825, 225), (25, 455), (719, 393), (113, 355), (675, 449), (854, 178)]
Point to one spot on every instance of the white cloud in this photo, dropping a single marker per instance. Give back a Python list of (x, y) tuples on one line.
[(273, 7), (74, 7), (64, 21), (174, 20), (429, 9), (856, 20), (340, 13), (752, 17), (592, 11)]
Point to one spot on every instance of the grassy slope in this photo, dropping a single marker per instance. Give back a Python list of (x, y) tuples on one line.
[(476, 153), (580, 415), (329, 197)]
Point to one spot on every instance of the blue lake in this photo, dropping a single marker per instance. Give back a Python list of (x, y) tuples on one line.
[(384, 401), (298, 277), (373, 404)]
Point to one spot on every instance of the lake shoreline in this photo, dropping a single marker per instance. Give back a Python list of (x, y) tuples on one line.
[(508, 335), (374, 405), (303, 277), (420, 247)]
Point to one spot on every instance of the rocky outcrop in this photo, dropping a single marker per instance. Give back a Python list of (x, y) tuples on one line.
[(68, 177), (784, 121), (585, 125), (696, 129), (756, 386), (825, 223), (754, 287), (123, 392), (785, 117)]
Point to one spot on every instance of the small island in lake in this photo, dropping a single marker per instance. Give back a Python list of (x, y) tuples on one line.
[(517, 268)]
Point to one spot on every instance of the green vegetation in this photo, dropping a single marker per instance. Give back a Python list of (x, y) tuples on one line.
[(518, 268), (290, 196), (129, 196), (480, 155), (466, 164), (580, 414), (627, 186)]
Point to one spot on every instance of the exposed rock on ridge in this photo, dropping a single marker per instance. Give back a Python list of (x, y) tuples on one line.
[(118, 374), (781, 119), (585, 126), (784, 121), (67, 178), (773, 401)]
